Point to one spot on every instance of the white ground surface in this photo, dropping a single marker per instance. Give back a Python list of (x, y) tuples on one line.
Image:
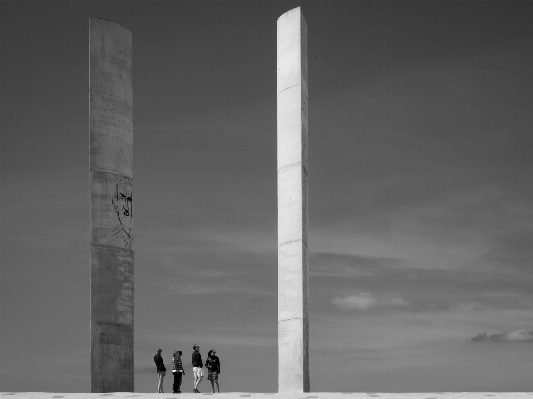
[(239, 395)]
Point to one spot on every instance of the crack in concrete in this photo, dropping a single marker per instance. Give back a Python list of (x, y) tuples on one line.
[(288, 89), (293, 318), (288, 242), (109, 171), (286, 166)]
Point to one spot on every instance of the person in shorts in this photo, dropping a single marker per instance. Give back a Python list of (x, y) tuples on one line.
[(161, 370), (213, 366), (177, 371), (197, 365)]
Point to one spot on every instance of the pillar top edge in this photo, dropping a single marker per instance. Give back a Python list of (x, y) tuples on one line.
[(294, 10), (108, 21)]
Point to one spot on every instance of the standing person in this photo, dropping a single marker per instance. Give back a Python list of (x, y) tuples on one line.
[(177, 371), (197, 365), (161, 370), (213, 366)]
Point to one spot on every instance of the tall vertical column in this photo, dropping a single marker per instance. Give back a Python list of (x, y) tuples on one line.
[(111, 181), (293, 261)]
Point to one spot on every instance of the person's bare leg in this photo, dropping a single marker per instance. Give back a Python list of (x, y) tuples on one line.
[(199, 381), (212, 385), (218, 387), (160, 383)]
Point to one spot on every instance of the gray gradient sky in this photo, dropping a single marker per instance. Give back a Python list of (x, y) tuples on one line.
[(420, 192)]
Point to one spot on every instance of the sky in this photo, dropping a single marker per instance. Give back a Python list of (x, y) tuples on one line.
[(420, 192)]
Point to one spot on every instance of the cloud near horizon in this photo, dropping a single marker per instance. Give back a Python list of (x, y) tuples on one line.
[(365, 301), (509, 336)]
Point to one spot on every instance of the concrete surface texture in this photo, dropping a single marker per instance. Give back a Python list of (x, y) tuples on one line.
[(293, 263), (111, 185), (239, 395)]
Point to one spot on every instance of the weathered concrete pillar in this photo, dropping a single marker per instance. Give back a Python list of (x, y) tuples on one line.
[(111, 180), (293, 263)]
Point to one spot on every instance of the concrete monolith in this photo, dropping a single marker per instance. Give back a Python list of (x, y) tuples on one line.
[(111, 184), (293, 263)]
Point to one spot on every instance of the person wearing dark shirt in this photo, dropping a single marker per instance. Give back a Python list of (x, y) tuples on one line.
[(197, 365), (213, 366), (177, 371), (161, 370)]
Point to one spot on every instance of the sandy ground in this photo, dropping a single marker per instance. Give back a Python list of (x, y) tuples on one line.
[(238, 395)]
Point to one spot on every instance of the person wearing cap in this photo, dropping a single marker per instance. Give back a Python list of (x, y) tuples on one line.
[(197, 365), (161, 370), (177, 371), (213, 366)]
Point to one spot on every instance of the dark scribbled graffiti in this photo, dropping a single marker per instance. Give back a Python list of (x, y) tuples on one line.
[(122, 200)]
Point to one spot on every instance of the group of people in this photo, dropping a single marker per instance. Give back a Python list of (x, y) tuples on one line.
[(212, 364)]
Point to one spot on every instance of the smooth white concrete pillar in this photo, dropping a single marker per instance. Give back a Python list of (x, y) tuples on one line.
[(293, 263)]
